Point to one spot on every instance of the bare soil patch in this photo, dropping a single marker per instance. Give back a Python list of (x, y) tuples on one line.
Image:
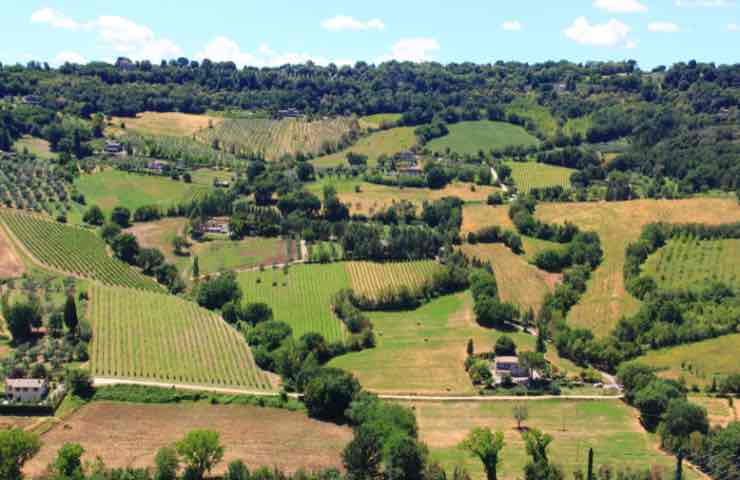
[(126, 435), (11, 265)]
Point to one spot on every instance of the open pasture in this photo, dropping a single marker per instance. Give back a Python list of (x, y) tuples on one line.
[(423, 351), (111, 188), (158, 337), (379, 119), (471, 137), (528, 109), (129, 435), (686, 262), (301, 298), (34, 145), (719, 410), (610, 427), (159, 234), (619, 223), (72, 250), (369, 278), (529, 175), (275, 138), (173, 124), (518, 281), (219, 255), (697, 362), (386, 142)]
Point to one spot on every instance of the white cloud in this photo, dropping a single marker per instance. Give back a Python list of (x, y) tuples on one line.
[(69, 57), (663, 27), (512, 25), (55, 19), (620, 6), (120, 34), (611, 34), (224, 49), (419, 49), (343, 22), (630, 44), (733, 27), (704, 3)]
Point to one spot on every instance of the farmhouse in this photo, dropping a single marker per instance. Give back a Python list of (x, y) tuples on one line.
[(26, 389), (509, 365), (113, 148), (213, 225), (221, 183), (411, 171)]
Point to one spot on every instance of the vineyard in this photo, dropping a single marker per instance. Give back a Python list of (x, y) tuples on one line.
[(369, 278), (529, 175), (187, 150), (684, 262), (72, 250), (158, 337), (274, 138), (301, 297)]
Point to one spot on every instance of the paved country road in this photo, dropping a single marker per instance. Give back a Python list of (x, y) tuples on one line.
[(105, 381)]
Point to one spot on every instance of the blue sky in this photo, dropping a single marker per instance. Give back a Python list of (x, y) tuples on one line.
[(653, 32)]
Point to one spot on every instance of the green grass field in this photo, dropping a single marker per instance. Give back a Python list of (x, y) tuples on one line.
[(302, 298), (697, 362), (611, 428), (369, 278), (470, 137), (527, 108), (164, 338), (377, 120), (111, 188), (577, 125), (72, 250), (386, 142), (423, 351), (529, 175), (36, 146), (685, 262), (218, 255)]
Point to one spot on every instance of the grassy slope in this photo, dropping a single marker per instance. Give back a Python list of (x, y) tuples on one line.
[(683, 263), (470, 137), (111, 188), (302, 298), (173, 124), (377, 120), (527, 108), (619, 223), (697, 362), (218, 255), (36, 146), (386, 142), (528, 175), (577, 125), (423, 351), (609, 427)]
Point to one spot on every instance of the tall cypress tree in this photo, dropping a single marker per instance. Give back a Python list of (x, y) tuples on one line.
[(590, 471), (70, 314), (679, 466)]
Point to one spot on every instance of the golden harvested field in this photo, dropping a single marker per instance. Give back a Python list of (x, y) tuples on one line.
[(518, 281), (159, 235), (610, 427), (172, 124), (128, 435), (718, 409), (11, 265), (619, 223)]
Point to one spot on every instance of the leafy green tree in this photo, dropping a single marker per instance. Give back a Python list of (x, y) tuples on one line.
[(201, 450), (196, 268), (505, 346), (405, 458), (149, 259), (70, 314), (652, 401), (486, 445), (94, 216), (78, 382), (121, 216), (539, 467), (216, 292), (237, 471), (520, 413), (167, 462), (16, 448), (680, 420), (109, 231), (20, 317), (491, 312), (125, 247), (68, 463), (363, 456), (329, 393)]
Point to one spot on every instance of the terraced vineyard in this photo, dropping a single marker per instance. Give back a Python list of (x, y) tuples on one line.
[(275, 138), (684, 262), (72, 250), (369, 278), (529, 175), (300, 298), (152, 336)]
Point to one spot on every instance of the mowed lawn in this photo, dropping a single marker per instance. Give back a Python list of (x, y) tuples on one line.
[(697, 362), (301, 298), (687, 262), (218, 255), (470, 137), (172, 124), (111, 188), (619, 223), (423, 351), (129, 435), (611, 428), (372, 198), (529, 175), (386, 142)]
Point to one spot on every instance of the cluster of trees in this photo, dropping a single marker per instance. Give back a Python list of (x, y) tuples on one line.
[(496, 234), (521, 213), (583, 249), (489, 310), (362, 241)]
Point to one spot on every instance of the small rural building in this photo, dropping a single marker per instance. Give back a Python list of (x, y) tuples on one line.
[(156, 166), (214, 225), (289, 113), (221, 183), (31, 99), (113, 148), (509, 365), (411, 171), (26, 389)]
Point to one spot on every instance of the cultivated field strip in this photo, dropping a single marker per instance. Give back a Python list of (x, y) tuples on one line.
[(301, 298), (143, 335), (370, 278), (72, 250), (529, 175)]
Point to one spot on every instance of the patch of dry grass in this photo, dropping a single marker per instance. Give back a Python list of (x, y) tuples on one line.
[(11, 265), (172, 124)]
